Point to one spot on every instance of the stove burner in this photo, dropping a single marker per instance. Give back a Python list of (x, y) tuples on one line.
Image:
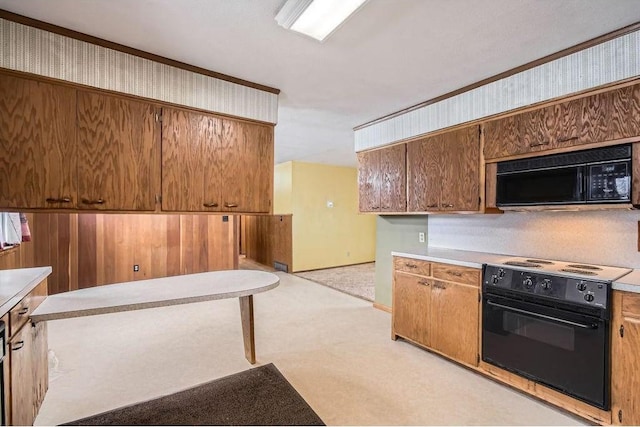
[(585, 267), (522, 264), (539, 261), (575, 270)]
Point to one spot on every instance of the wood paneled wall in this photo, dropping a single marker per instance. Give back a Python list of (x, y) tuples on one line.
[(268, 238), (88, 250)]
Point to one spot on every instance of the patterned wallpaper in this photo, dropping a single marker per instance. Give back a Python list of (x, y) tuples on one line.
[(32, 50), (607, 62)]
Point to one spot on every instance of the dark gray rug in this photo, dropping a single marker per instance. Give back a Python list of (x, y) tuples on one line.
[(259, 396)]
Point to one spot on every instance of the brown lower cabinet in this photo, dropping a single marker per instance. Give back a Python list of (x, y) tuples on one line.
[(625, 359), (26, 373), (432, 310), (437, 306)]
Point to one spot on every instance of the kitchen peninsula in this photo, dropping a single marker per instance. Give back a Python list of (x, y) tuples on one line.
[(26, 308)]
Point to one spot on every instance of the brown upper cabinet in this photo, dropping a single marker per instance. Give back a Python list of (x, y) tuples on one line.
[(443, 172), (602, 117), (382, 180), (118, 153), (37, 144), (214, 164), (63, 147)]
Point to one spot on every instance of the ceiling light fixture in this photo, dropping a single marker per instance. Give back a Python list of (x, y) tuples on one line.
[(316, 18)]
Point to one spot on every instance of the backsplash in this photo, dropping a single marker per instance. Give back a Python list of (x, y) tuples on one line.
[(596, 237)]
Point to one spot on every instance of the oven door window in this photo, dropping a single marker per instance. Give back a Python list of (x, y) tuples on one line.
[(565, 351), (544, 186), (542, 331)]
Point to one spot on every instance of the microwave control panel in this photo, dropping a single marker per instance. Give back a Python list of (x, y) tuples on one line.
[(609, 181)]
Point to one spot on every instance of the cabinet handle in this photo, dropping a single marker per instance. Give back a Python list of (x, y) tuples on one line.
[(410, 265), (447, 206), (572, 138), (18, 346), (424, 282), (432, 206), (210, 205), (62, 200), (93, 202), (539, 144), (23, 311), (230, 205), (455, 273), (374, 207)]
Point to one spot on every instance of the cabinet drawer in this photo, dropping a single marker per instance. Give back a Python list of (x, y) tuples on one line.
[(631, 305), (455, 273), (409, 265), (19, 314)]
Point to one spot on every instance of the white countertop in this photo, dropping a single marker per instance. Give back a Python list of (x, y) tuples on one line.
[(452, 256), (155, 293), (16, 284), (629, 283)]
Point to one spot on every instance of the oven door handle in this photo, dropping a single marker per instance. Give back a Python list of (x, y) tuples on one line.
[(543, 316)]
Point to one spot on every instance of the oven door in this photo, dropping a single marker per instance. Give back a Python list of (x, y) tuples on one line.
[(563, 350), (564, 185)]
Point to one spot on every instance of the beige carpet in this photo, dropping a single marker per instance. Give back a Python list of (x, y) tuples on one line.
[(334, 349), (357, 280)]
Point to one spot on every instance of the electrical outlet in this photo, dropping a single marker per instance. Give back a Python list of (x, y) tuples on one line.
[(136, 267), (421, 237)]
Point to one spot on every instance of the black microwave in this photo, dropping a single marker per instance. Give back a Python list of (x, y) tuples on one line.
[(599, 175)]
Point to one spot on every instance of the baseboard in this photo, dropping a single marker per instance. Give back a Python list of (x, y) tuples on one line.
[(382, 307)]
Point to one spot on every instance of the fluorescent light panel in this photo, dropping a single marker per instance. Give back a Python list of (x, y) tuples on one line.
[(321, 17)]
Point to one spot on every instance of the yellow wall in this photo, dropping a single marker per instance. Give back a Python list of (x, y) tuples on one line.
[(326, 237), (282, 189)]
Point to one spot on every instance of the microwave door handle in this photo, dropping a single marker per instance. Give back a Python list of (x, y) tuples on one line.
[(543, 316), (581, 184)]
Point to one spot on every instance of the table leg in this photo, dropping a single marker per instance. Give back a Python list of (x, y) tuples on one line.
[(246, 314)]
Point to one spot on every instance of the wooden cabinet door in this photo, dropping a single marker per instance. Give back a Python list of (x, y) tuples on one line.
[(39, 363), (369, 181), (245, 159), (411, 309), (393, 177), (424, 174), (537, 127), (460, 166), (596, 115), (624, 113), (455, 313), (625, 359), (502, 138), (37, 144), (566, 123), (22, 384), (189, 143), (118, 153)]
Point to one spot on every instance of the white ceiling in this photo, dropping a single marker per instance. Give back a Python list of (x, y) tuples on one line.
[(392, 54)]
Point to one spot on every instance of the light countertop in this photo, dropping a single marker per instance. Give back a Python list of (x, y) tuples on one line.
[(629, 283), (452, 256), (16, 284), (158, 292)]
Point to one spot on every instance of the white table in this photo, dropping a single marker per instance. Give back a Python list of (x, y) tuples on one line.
[(242, 284)]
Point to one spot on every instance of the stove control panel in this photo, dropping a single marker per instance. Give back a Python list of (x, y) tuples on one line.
[(574, 290)]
